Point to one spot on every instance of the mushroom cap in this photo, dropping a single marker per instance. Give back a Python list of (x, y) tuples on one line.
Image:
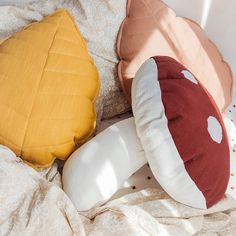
[(182, 132)]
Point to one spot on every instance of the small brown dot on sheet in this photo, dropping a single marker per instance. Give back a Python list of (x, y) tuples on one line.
[(133, 187), (232, 174), (233, 150), (148, 165), (229, 110), (234, 105), (232, 188)]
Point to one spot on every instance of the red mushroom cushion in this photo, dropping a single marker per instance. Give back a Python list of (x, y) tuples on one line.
[(151, 28), (182, 132)]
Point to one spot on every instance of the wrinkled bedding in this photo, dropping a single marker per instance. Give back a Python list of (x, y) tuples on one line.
[(33, 203)]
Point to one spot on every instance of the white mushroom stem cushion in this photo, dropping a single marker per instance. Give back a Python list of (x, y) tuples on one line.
[(182, 132), (100, 167)]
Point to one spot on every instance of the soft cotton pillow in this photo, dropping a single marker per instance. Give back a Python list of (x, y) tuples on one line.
[(99, 35), (48, 83), (151, 28), (182, 132), (100, 167)]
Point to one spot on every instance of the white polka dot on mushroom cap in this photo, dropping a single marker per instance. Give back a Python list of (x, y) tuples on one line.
[(214, 129), (189, 76)]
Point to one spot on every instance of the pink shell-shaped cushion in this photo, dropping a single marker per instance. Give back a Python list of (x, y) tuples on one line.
[(151, 28), (182, 132)]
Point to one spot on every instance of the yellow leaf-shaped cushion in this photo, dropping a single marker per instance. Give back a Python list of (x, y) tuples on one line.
[(48, 83)]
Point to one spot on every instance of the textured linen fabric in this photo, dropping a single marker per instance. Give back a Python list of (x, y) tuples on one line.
[(30, 205), (106, 174), (99, 32), (48, 84), (143, 208), (146, 212), (151, 28), (182, 132)]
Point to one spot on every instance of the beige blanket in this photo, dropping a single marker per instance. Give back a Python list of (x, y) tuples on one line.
[(33, 203)]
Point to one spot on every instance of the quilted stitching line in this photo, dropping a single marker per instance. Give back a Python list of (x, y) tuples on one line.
[(72, 56), (66, 72), (5, 140), (71, 42), (23, 143)]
